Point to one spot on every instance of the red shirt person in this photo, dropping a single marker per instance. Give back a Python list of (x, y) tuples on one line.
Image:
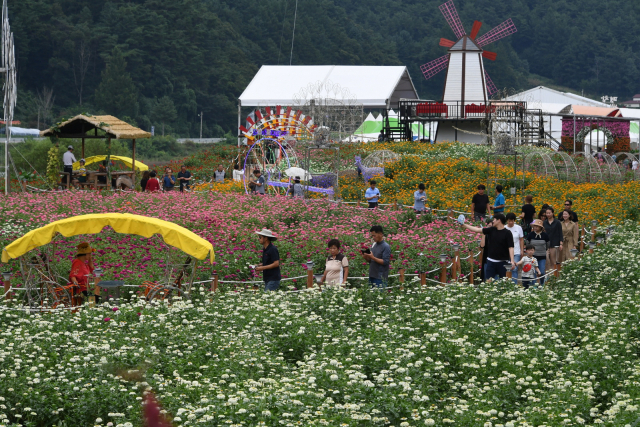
[(153, 185), (81, 267)]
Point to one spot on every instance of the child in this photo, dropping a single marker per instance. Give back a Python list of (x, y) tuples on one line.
[(529, 264)]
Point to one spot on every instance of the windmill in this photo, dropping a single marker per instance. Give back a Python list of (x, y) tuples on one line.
[(466, 81), (10, 88)]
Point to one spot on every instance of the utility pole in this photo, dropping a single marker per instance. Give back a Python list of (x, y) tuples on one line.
[(201, 113)]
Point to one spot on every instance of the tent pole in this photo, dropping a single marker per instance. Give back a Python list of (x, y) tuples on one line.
[(239, 124)]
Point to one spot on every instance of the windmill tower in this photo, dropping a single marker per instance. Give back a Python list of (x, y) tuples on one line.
[(467, 81)]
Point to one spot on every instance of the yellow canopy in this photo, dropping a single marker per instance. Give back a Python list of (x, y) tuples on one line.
[(172, 234), (126, 160)]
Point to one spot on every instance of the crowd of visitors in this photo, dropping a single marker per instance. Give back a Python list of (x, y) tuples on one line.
[(544, 242)]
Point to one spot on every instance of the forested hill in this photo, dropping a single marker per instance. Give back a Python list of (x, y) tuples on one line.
[(164, 61)]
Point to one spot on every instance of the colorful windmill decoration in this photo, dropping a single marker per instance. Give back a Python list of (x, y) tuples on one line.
[(279, 124), (466, 79)]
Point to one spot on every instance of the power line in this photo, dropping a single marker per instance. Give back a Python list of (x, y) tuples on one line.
[(295, 15)]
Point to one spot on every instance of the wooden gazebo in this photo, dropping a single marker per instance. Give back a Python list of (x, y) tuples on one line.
[(86, 127)]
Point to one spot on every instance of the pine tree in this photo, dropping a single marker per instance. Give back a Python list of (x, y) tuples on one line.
[(164, 111), (117, 95)]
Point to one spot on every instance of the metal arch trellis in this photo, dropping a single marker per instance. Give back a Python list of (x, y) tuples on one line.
[(610, 171), (379, 158), (621, 156), (587, 167), (565, 167), (541, 164)]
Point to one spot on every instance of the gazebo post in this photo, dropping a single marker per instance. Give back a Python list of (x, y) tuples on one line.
[(133, 163), (109, 162), (83, 148)]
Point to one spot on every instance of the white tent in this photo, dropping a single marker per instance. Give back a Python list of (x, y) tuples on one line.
[(373, 86)]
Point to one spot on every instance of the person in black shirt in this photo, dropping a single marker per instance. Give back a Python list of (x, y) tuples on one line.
[(500, 247), (270, 265), (567, 207), (479, 203), (528, 212), (553, 228), (184, 176)]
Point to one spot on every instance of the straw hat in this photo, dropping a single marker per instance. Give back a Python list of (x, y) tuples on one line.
[(267, 233), (537, 222), (84, 249)]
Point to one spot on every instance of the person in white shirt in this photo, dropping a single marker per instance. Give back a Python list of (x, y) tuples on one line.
[(238, 174), (518, 241), (634, 165), (68, 159)]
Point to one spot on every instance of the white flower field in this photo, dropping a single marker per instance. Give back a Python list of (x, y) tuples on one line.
[(489, 356)]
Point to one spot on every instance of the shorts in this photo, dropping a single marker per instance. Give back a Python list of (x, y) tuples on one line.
[(495, 269), (477, 216), (373, 205), (377, 283), (273, 285)]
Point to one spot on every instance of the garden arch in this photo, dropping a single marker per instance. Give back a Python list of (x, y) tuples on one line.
[(541, 164), (616, 130), (587, 167), (565, 166)]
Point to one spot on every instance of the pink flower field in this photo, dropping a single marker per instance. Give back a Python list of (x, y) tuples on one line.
[(229, 221)]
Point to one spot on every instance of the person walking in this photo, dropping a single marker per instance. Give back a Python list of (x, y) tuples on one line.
[(634, 165), (479, 203), (372, 194), (419, 200), (542, 215), (499, 203), (219, 174), (529, 265), (296, 189), (336, 270), (518, 241), (238, 174), (379, 257), (500, 247), (184, 177), (528, 212), (145, 178), (270, 265), (553, 229), (68, 159), (257, 183), (168, 182), (540, 241), (570, 236), (485, 249), (568, 205)]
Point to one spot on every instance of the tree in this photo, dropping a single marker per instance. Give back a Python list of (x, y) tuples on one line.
[(44, 102), (164, 111), (117, 94)]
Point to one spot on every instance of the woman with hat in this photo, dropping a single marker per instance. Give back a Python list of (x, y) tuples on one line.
[(296, 189), (81, 268), (540, 241), (270, 265)]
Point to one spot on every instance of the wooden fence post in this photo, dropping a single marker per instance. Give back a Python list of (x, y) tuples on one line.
[(593, 230), (423, 278), (309, 278), (443, 274), (401, 271), (214, 282), (508, 268)]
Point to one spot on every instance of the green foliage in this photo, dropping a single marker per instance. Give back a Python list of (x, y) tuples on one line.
[(203, 54), (164, 111), (117, 95), (53, 165)]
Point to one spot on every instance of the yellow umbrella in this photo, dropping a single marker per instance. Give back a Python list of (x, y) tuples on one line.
[(172, 234), (126, 160)]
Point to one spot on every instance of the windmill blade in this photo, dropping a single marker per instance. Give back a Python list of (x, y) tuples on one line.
[(489, 55), (475, 29), (497, 33), (451, 15), (491, 88), (446, 42), (432, 68)]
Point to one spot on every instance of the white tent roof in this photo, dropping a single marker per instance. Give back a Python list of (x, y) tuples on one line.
[(547, 95), (371, 85), (370, 118), (379, 118)]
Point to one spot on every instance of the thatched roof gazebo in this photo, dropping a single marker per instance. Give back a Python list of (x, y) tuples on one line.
[(86, 127)]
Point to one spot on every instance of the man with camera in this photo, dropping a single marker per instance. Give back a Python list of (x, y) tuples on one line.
[(379, 257)]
